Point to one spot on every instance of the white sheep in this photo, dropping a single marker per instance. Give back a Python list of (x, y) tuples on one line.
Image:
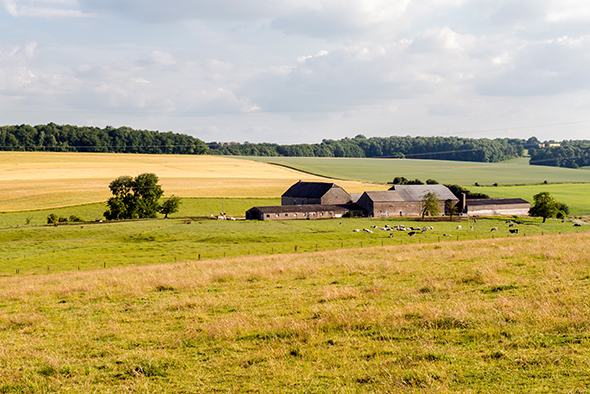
[(494, 229), (458, 227)]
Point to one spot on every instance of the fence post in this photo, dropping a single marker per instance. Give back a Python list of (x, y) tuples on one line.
[(199, 256), (361, 244), (341, 245), (105, 264), (296, 248), (439, 238)]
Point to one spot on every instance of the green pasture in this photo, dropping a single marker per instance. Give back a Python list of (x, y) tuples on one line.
[(190, 207), (513, 172), (35, 249)]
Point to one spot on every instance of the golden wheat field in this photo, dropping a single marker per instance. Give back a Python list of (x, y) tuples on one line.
[(38, 180)]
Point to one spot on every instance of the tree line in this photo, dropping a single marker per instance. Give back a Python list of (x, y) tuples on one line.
[(571, 154), (440, 148), (67, 138)]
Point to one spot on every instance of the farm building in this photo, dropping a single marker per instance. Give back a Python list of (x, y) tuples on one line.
[(403, 200), (309, 211), (495, 206), (317, 193)]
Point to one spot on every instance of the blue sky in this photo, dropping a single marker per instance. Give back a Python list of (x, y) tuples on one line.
[(300, 71)]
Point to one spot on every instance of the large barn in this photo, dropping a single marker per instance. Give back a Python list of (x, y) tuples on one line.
[(289, 212), (404, 200), (319, 193)]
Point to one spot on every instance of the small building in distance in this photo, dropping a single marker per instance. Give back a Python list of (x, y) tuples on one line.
[(290, 212), (404, 200), (495, 206), (316, 193)]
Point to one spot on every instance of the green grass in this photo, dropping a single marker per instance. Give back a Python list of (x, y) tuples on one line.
[(189, 207), (41, 249), (512, 172), (502, 315)]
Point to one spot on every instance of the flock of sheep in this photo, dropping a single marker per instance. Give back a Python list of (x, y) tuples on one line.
[(411, 231)]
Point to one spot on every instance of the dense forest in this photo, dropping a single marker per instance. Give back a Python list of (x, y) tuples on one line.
[(56, 138), (572, 154), (67, 138), (441, 148)]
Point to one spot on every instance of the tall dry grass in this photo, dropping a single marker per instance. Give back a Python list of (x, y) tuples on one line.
[(477, 316)]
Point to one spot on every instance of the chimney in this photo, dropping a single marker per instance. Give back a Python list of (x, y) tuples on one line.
[(463, 202)]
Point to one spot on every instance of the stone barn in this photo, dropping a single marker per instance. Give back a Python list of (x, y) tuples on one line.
[(404, 200), (318, 193), (290, 212)]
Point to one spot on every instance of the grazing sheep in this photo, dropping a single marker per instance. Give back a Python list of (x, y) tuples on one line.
[(391, 235), (577, 225), (511, 225), (356, 230), (368, 231), (494, 229), (412, 233), (432, 228), (471, 227), (508, 221), (424, 229), (458, 227), (513, 231), (446, 235), (373, 226)]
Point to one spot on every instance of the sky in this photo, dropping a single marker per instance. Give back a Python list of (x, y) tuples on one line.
[(299, 71)]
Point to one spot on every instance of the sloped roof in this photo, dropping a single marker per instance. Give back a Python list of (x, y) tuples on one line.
[(495, 201), (384, 195), (309, 189), (416, 192)]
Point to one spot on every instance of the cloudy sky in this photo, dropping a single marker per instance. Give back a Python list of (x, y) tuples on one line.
[(293, 71)]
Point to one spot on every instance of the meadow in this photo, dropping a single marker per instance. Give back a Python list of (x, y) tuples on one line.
[(513, 172), (495, 315), (41, 249)]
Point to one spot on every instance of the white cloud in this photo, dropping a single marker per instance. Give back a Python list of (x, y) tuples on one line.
[(43, 8)]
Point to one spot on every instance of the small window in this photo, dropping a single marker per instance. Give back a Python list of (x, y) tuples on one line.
[(267, 216), (286, 215)]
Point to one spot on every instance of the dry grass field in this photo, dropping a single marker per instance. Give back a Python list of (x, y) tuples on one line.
[(503, 315), (38, 180)]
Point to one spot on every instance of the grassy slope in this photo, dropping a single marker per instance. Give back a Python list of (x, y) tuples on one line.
[(464, 173), (35, 249), (506, 315)]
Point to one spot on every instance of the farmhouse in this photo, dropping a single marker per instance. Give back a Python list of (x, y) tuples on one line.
[(404, 200), (317, 193), (286, 212), (495, 206)]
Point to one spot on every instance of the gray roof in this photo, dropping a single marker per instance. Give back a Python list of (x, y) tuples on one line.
[(310, 189), (416, 192), (384, 195), (495, 201)]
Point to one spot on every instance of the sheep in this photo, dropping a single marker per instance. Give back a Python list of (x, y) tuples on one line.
[(446, 235), (513, 231), (458, 227), (424, 229), (356, 230), (391, 235), (577, 225), (511, 225), (471, 227), (508, 221), (368, 231), (494, 229), (412, 233)]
